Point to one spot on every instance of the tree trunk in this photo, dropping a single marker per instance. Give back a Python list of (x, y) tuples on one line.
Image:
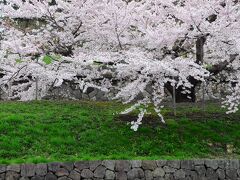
[(200, 49), (180, 97)]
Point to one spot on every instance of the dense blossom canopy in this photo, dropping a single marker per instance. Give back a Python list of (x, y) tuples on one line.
[(138, 44)]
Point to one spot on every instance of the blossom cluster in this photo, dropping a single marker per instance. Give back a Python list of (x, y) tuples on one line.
[(95, 43)]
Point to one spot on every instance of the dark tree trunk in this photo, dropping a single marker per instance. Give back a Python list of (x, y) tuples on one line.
[(217, 68), (200, 49), (191, 97)]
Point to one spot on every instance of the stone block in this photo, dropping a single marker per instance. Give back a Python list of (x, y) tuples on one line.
[(148, 175), (27, 170), (231, 174), (179, 174), (121, 175), (169, 177), (210, 173), (62, 172), (123, 165), (198, 162), (161, 163), (67, 165), (100, 171), (232, 164), (221, 173), (3, 168), (168, 169), (149, 165), (135, 173), (109, 175), (187, 164), (15, 168), (94, 164), (109, 164), (53, 167), (193, 175), (41, 169), (136, 163), (211, 164), (82, 165), (158, 172), (93, 93), (50, 176), (201, 170), (86, 173), (174, 164), (11, 175), (75, 175)]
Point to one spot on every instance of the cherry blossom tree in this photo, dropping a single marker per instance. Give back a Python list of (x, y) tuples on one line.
[(128, 45)]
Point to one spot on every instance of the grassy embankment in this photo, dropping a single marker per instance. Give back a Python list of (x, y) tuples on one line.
[(68, 131)]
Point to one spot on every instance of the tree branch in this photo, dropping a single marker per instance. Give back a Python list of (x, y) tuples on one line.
[(217, 68)]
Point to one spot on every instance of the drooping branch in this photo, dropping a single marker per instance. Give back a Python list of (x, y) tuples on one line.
[(190, 97), (181, 97)]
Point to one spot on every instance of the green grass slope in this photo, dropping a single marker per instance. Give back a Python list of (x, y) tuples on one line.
[(68, 131)]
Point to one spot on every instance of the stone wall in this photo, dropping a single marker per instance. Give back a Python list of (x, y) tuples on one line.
[(123, 170), (70, 91)]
